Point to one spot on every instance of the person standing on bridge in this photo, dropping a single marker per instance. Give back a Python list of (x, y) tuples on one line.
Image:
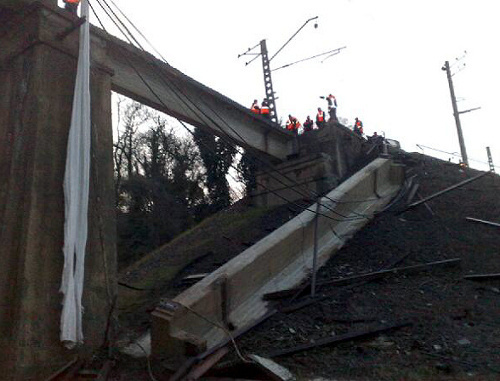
[(308, 124), (358, 127), (293, 124), (255, 107), (71, 6), (332, 106), (320, 118), (264, 110)]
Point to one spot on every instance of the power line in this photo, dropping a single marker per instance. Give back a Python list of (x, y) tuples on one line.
[(156, 95), (256, 157), (331, 52), (233, 141), (421, 146)]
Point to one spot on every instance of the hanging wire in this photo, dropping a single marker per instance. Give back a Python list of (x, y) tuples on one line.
[(421, 146), (233, 141), (222, 131)]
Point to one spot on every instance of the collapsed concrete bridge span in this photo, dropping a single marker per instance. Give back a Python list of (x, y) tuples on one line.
[(37, 72), (231, 297)]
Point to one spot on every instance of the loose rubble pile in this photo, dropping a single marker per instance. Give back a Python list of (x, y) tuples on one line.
[(420, 323)]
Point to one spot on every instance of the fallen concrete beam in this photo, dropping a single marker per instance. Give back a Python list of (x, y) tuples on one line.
[(279, 261)]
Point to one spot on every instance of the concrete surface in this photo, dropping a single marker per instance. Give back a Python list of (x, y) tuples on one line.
[(231, 297), (326, 157), (36, 93)]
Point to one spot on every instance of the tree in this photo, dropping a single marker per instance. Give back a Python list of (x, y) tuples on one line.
[(247, 169), (160, 181), (131, 117), (217, 156)]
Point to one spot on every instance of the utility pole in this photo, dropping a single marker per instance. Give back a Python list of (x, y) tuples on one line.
[(271, 99), (490, 160), (268, 83), (456, 114)]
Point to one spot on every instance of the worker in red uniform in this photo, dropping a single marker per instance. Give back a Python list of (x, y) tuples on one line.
[(320, 118), (293, 124), (308, 124), (255, 107), (71, 5), (358, 127), (264, 110)]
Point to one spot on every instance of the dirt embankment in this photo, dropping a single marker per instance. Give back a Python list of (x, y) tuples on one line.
[(454, 322)]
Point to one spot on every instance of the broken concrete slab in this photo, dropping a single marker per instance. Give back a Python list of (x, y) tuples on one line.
[(272, 369), (280, 260)]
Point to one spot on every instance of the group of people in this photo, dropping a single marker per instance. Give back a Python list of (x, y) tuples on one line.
[(262, 109), (321, 119), (293, 124)]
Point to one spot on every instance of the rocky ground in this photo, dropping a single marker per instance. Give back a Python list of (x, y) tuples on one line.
[(454, 324)]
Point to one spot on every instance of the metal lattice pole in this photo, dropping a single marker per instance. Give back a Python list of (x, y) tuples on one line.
[(268, 83), (490, 160)]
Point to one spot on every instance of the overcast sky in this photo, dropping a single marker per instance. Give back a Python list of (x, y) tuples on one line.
[(389, 75)]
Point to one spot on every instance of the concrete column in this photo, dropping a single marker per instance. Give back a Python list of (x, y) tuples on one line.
[(36, 93)]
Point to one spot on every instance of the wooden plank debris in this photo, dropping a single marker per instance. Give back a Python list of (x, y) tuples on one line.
[(413, 192), (480, 277), (200, 369), (64, 369), (274, 371), (184, 368), (437, 194), (482, 221), (192, 361), (426, 204), (228, 379), (367, 277), (194, 277), (339, 339), (104, 372), (393, 261)]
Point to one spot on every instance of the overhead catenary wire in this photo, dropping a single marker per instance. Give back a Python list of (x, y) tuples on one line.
[(194, 111), (233, 141), (421, 146), (331, 52), (232, 166), (315, 195)]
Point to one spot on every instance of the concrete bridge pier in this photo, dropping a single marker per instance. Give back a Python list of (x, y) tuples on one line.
[(325, 158), (37, 75)]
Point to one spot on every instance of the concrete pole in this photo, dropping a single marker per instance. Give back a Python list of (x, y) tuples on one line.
[(456, 114), (315, 249)]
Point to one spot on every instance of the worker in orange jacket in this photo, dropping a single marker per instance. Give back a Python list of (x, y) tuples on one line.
[(264, 110), (358, 127), (255, 107), (293, 124), (320, 118), (71, 5)]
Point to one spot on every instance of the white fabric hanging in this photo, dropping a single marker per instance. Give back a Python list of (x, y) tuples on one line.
[(76, 195)]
